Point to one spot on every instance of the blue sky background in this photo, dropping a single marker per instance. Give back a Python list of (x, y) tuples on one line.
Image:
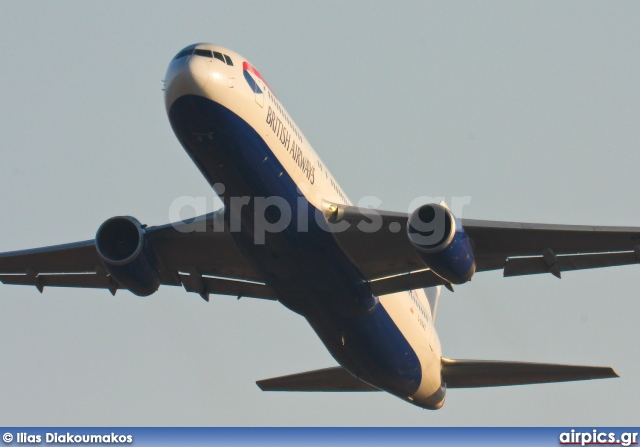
[(529, 108)]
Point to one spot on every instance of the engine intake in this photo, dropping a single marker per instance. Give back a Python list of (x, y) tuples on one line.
[(441, 243), (122, 247)]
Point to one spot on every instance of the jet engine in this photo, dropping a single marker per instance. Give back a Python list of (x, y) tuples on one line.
[(124, 252), (441, 243)]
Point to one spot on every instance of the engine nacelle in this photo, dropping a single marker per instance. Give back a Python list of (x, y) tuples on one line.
[(122, 248), (441, 243)]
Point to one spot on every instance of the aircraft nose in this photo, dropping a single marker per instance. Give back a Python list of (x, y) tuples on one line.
[(186, 75), (198, 68)]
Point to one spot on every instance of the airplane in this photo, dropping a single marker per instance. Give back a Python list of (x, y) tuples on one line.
[(367, 281)]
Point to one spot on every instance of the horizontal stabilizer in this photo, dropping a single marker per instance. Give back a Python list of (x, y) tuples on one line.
[(478, 373), (328, 379)]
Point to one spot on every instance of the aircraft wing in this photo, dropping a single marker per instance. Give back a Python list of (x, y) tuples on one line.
[(207, 260), (190, 254), (388, 260)]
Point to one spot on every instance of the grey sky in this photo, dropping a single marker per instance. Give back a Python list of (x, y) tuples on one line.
[(529, 108)]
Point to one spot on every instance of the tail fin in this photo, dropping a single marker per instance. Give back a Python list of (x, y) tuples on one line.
[(433, 296), (478, 373)]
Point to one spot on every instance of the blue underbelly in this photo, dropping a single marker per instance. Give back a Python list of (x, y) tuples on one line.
[(308, 269)]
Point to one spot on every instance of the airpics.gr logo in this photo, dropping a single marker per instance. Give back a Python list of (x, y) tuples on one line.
[(576, 437), (251, 75)]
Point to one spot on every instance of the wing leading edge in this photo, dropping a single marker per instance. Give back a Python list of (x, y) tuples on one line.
[(199, 255), (389, 262)]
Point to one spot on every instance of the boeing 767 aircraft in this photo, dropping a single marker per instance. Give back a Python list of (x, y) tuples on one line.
[(366, 280)]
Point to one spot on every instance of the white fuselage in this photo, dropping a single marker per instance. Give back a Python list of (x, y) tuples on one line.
[(256, 104)]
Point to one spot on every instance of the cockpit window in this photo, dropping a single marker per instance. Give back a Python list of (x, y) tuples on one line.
[(219, 56), (201, 52), (184, 53), (192, 50)]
